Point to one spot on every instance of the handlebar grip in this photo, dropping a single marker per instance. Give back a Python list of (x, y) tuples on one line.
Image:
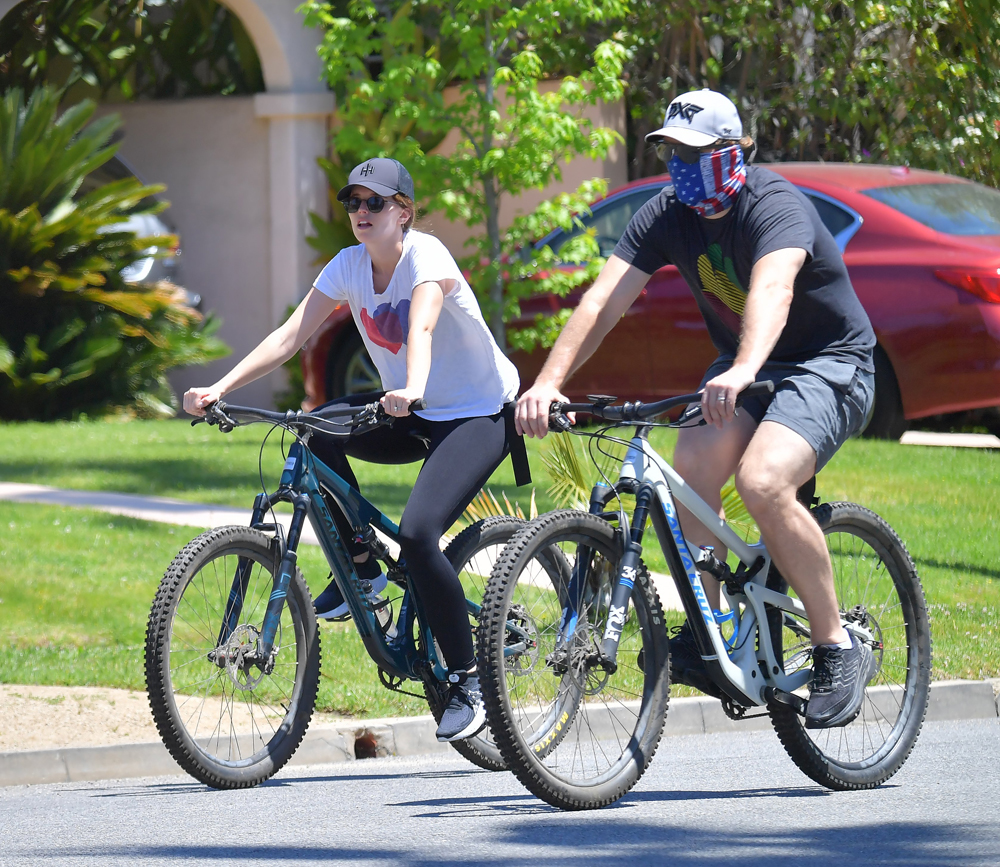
[(756, 389), (419, 403)]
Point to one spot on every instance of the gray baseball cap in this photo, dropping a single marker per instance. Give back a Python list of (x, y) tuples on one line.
[(700, 118), (381, 175)]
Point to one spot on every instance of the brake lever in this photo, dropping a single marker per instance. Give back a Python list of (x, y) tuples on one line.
[(558, 421), (216, 416), (370, 415)]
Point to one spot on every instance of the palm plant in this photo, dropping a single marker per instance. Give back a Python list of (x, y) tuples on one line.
[(75, 337)]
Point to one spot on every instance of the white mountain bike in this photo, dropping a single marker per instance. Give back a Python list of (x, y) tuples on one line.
[(573, 651)]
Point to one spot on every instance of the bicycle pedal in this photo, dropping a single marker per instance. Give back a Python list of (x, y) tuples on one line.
[(779, 696)]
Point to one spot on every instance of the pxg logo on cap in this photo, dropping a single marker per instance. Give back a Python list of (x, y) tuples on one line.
[(700, 118)]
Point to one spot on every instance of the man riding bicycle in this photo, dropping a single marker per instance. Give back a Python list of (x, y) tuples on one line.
[(775, 294)]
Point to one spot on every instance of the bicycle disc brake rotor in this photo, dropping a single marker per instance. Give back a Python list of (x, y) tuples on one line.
[(584, 666), (242, 664), (867, 629), (524, 656)]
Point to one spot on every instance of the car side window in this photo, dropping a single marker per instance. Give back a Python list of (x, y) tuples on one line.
[(608, 220), (834, 218)]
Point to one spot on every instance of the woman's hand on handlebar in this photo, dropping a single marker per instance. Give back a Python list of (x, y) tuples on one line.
[(718, 399), (532, 415), (196, 399), (397, 403)]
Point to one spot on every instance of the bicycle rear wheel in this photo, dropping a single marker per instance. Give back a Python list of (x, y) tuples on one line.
[(473, 553), (229, 723), (575, 734), (880, 593)]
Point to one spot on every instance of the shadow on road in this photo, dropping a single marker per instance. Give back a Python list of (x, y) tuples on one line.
[(576, 838)]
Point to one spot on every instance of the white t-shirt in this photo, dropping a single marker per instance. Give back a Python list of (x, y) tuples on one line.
[(469, 375)]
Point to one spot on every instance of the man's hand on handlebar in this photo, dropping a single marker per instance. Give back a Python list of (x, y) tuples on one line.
[(718, 399), (532, 416), (196, 399)]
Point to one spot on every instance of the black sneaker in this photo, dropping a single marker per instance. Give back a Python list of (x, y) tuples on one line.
[(838, 685), (686, 665), (330, 604), (464, 714)]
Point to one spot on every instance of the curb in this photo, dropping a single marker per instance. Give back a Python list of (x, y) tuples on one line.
[(414, 736)]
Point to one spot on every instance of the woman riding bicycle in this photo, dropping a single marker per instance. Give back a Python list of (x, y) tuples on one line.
[(424, 331)]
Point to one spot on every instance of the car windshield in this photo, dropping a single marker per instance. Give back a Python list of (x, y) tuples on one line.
[(955, 209), (609, 220)]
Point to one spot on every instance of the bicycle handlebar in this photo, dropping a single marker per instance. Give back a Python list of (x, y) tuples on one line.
[(639, 411), (229, 416)]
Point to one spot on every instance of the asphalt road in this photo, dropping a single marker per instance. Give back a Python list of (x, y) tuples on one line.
[(707, 799)]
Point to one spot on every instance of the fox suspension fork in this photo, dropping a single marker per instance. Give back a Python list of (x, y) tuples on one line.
[(628, 572), (286, 570)]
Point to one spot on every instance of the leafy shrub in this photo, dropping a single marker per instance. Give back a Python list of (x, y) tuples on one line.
[(74, 336)]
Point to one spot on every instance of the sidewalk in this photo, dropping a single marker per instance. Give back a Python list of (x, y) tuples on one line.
[(347, 741), (168, 511)]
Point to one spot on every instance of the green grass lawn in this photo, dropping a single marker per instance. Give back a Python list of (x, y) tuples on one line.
[(76, 585)]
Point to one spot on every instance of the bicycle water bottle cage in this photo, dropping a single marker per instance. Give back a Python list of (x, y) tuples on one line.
[(722, 618)]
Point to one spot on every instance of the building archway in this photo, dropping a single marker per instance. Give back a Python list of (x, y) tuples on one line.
[(245, 247)]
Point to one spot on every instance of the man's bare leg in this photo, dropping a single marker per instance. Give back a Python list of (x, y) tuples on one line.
[(706, 457), (776, 463)]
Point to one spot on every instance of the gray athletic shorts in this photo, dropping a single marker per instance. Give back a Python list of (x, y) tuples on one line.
[(824, 400)]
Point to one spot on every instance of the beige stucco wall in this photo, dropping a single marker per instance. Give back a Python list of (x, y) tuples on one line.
[(212, 154)]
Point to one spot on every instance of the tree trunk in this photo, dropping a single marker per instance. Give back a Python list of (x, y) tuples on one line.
[(496, 284)]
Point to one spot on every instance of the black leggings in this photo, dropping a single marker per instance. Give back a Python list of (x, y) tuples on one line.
[(459, 456)]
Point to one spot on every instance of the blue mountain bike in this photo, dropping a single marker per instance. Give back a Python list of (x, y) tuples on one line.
[(232, 643)]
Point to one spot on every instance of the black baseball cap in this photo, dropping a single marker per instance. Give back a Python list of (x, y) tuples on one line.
[(381, 175)]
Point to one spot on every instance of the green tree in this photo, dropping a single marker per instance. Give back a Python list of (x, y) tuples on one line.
[(75, 337), (910, 81), (112, 49), (515, 133)]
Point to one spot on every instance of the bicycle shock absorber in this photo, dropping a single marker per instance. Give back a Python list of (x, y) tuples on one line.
[(628, 572)]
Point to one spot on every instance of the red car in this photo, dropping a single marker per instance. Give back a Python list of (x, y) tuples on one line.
[(923, 251)]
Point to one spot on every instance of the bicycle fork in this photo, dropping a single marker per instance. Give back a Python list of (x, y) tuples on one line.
[(279, 590), (628, 572)]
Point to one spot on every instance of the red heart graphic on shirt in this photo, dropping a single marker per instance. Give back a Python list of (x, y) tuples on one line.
[(389, 326)]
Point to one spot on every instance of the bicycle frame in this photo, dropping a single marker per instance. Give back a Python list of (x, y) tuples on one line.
[(300, 484), (743, 672)]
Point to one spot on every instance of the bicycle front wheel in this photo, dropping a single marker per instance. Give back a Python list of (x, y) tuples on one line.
[(228, 721), (879, 592), (575, 733)]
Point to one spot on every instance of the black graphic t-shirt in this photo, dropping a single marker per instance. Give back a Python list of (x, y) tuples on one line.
[(716, 257)]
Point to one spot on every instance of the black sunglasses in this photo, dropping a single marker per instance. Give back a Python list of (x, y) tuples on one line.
[(685, 153), (374, 203)]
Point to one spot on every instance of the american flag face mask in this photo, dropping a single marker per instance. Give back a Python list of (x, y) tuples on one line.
[(709, 185)]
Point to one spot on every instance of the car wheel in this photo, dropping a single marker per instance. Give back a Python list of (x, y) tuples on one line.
[(887, 421), (350, 369)]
